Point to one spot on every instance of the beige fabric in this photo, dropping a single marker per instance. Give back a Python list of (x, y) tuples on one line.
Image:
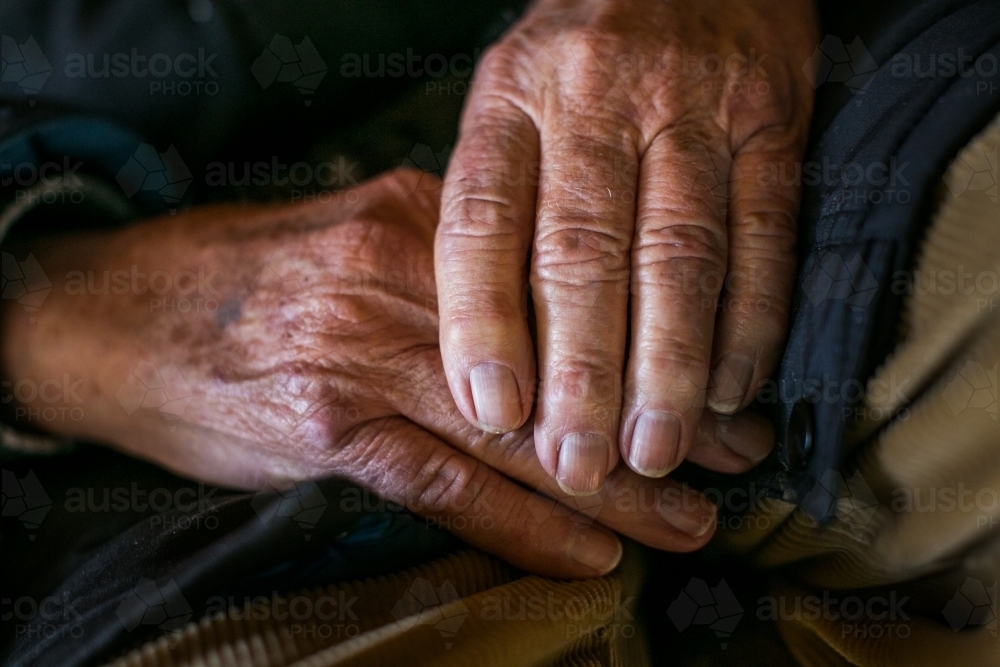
[(466, 609), (938, 436)]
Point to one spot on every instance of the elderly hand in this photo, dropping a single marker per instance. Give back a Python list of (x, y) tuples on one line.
[(308, 347), (623, 155)]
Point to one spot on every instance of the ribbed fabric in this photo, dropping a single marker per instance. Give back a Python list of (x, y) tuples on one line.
[(465, 609)]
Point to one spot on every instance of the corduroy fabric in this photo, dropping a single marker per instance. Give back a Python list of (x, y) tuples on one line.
[(465, 609)]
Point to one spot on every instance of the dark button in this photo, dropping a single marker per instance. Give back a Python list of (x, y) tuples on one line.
[(800, 435)]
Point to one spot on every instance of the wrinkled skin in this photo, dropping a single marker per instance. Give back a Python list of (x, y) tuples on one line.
[(322, 359), (619, 157)]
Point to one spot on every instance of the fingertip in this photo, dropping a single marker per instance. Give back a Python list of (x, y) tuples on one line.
[(691, 513), (749, 436), (582, 463), (730, 383), (655, 443), (595, 549), (496, 397)]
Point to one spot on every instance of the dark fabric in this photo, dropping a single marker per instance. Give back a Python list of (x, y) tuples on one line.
[(211, 122), (113, 552)]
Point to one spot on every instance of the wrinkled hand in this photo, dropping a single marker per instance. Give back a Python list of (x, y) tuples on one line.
[(320, 357), (641, 156)]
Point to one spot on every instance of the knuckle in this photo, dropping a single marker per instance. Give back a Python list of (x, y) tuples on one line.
[(500, 61), (674, 254), (366, 453), (477, 318), (594, 43), (316, 419), (514, 451), (673, 353), (476, 205), (519, 525), (683, 364), (410, 191), (574, 250), (450, 484), (404, 177), (695, 139), (756, 317), (586, 381), (591, 142), (773, 231), (411, 379)]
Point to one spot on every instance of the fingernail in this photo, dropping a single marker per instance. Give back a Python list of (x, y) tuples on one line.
[(495, 395), (594, 549), (655, 440), (730, 382), (693, 515), (583, 463), (753, 443)]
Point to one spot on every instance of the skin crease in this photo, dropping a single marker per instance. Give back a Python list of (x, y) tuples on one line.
[(610, 163), (322, 359)]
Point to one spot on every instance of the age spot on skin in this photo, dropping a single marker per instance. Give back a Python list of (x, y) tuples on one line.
[(229, 311)]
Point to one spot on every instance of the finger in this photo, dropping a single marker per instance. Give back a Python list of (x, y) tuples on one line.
[(407, 465), (678, 263), (580, 288), (754, 316), (647, 510), (481, 256), (660, 513), (732, 444)]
